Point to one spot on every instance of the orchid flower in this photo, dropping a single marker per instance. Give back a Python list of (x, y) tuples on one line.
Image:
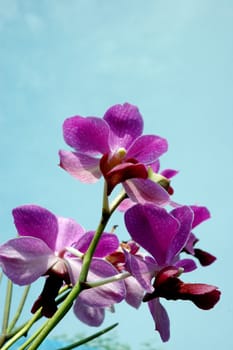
[(113, 146), (164, 235), (46, 246)]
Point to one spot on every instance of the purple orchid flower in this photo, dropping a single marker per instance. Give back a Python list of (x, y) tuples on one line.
[(164, 235), (113, 146), (42, 249)]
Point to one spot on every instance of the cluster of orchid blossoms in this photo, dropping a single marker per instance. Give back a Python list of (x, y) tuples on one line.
[(98, 270)]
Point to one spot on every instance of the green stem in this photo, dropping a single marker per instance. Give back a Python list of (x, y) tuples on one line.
[(23, 330), (19, 310), (78, 287), (6, 311), (62, 295), (87, 339)]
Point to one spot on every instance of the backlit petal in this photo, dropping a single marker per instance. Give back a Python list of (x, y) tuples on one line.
[(144, 191), (25, 259), (107, 244), (69, 232), (92, 316), (81, 166)]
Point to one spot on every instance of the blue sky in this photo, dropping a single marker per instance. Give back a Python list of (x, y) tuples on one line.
[(173, 59)]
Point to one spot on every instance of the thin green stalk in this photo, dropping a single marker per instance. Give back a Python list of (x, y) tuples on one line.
[(67, 304), (27, 325), (19, 310), (23, 330), (121, 196), (6, 313), (64, 291), (87, 339)]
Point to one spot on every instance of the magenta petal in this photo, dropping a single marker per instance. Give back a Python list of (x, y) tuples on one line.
[(169, 173), (200, 214), (74, 266), (147, 148), (25, 259), (134, 292), (153, 228), (161, 319), (69, 232), (192, 240), (87, 135), (187, 264), (107, 244), (143, 191), (141, 270), (125, 205), (125, 123), (184, 215), (107, 294), (81, 166), (92, 316), (35, 221)]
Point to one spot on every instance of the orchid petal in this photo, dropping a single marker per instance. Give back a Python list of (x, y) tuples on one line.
[(192, 240), (187, 264), (87, 135), (143, 191), (126, 124), (81, 166), (107, 244), (200, 214), (101, 296), (168, 286), (92, 316), (141, 270), (134, 292), (169, 173), (125, 205), (185, 217), (107, 294), (204, 257), (69, 232), (35, 221), (24, 259), (147, 148), (161, 319), (202, 295), (153, 228)]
